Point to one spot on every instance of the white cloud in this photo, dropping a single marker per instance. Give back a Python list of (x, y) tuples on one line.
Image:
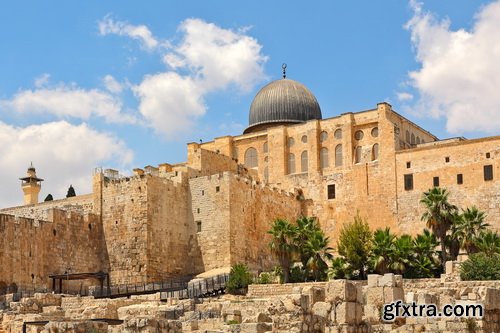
[(404, 96), (170, 102), (112, 85), (67, 101), (207, 59), (140, 32), (42, 80), (459, 76), (62, 153)]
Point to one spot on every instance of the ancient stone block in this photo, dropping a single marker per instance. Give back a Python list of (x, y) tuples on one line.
[(345, 313), (387, 280), (373, 280), (392, 294), (375, 296), (321, 309), (340, 291)]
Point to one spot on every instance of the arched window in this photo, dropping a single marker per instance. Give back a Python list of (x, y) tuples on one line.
[(291, 163), (323, 136), (357, 155), (375, 152), (338, 134), (418, 140), (291, 142), (412, 138), (265, 147), (251, 158), (407, 136), (266, 174), (303, 161), (323, 158), (338, 155)]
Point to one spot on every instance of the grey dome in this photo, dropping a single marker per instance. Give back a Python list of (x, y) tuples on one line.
[(281, 102)]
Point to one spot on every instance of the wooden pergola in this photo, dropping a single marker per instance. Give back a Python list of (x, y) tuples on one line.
[(101, 276)]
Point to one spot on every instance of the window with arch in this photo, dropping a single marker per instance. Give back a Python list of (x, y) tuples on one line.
[(375, 152), (412, 139), (291, 142), (303, 161), (323, 136), (338, 155), (291, 163), (357, 154), (418, 140), (407, 136), (265, 148), (266, 174), (338, 134), (251, 158), (323, 158), (358, 135)]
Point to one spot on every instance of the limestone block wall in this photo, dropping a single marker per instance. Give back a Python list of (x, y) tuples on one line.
[(123, 207), (170, 231), (82, 204), (447, 161), (31, 250), (253, 207), (210, 211)]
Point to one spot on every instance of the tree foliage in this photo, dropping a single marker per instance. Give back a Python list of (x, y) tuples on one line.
[(355, 244), (239, 279), (481, 266)]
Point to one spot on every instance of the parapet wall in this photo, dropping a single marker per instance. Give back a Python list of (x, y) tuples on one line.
[(82, 204)]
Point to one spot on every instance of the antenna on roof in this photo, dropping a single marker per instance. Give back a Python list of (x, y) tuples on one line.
[(284, 70)]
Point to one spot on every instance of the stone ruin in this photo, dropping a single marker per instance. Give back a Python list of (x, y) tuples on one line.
[(337, 306)]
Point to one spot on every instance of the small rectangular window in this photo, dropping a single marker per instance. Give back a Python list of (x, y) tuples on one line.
[(488, 155), (198, 226), (331, 191), (447, 159), (202, 192), (408, 165), (488, 172), (198, 210), (217, 188), (460, 179), (435, 181), (408, 182)]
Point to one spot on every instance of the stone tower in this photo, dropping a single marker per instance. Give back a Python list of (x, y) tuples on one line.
[(31, 186)]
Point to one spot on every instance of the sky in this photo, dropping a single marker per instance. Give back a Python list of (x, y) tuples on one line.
[(118, 84)]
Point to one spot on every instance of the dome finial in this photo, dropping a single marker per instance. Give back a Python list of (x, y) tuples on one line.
[(284, 70)]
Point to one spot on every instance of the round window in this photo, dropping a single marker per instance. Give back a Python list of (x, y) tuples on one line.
[(358, 135), (375, 132)]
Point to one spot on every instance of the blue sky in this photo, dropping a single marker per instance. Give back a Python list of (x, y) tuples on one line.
[(122, 85)]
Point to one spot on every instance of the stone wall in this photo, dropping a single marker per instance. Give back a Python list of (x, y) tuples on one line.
[(446, 161), (82, 204), (33, 249)]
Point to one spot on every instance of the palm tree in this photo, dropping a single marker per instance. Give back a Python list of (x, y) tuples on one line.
[(439, 215), (282, 244), (425, 263), (468, 227), (306, 227), (317, 250), (401, 256), (488, 242), (382, 248)]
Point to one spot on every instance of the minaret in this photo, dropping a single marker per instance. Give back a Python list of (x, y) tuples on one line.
[(31, 186)]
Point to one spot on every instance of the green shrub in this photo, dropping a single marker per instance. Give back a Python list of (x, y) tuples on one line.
[(239, 279), (264, 278), (480, 266), (298, 274)]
